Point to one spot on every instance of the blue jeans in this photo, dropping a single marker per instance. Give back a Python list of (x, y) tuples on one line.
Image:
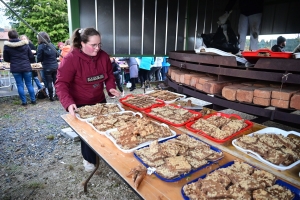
[(44, 78), (164, 71), (37, 82), (50, 79), (26, 76)]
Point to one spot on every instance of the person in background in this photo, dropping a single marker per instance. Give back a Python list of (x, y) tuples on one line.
[(133, 70), (250, 17), (279, 47), (117, 74), (34, 73), (18, 53), (145, 65), (47, 56), (81, 77), (126, 76), (155, 69), (65, 49), (60, 46), (31, 45), (165, 68)]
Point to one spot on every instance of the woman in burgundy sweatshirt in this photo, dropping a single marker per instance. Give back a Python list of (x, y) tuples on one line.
[(81, 78)]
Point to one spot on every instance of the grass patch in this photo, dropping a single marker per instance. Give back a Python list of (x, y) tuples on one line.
[(50, 126), (6, 198), (70, 167), (6, 116), (14, 168), (21, 109), (16, 102), (50, 137), (36, 185), (116, 185)]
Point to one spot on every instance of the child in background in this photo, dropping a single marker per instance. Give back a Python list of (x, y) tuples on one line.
[(65, 49)]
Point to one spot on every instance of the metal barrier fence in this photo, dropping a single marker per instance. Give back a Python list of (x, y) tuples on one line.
[(6, 79)]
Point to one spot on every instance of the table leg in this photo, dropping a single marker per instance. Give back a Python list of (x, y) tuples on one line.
[(88, 179), (122, 78)]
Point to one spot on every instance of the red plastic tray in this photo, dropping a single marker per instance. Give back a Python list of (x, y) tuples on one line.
[(147, 112), (189, 127), (253, 56), (159, 102)]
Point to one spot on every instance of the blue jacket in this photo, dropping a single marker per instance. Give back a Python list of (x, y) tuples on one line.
[(18, 53), (146, 62), (165, 62), (47, 56)]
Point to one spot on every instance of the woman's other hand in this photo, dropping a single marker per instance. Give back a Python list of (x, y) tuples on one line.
[(114, 92), (72, 108)]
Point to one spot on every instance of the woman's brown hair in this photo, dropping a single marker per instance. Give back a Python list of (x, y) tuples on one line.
[(82, 35), (45, 36)]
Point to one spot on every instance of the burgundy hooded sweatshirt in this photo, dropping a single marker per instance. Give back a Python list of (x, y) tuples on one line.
[(81, 78)]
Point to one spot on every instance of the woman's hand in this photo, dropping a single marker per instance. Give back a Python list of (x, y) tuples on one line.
[(72, 108), (114, 92)]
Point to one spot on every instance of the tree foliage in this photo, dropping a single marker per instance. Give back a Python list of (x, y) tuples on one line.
[(50, 16)]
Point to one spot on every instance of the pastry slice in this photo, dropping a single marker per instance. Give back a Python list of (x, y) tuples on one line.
[(217, 176), (166, 172), (286, 141), (251, 184), (200, 154), (271, 140), (237, 177), (261, 194), (195, 163), (238, 193), (178, 163), (280, 192), (214, 190), (193, 191), (264, 177), (276, 157), (215, 156), (240, 166), (169, 149), (246, 139)]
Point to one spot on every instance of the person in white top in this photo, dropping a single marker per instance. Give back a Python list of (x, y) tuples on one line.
[(154, 74)]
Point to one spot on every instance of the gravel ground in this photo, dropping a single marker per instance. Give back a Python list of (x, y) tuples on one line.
[(36, 162)]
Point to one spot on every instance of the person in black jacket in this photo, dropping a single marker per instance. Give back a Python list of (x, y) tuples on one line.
[(34, 73), (47, 56), (117, 74), (279, 47), (19, 54)]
